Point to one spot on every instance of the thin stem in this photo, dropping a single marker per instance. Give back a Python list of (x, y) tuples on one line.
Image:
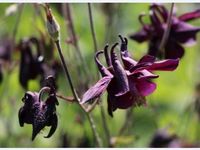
[(96, 49), (90, 118), (167, 31), (92, 27), (68, 99), (69, 21), (105, 126), (127, 121), (66, 71)]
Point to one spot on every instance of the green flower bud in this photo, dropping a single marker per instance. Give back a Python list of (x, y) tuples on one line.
[(52, 26)]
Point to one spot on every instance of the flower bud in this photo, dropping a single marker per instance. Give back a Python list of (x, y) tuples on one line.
[(52, 25)]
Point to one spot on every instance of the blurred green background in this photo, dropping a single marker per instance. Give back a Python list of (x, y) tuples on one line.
[(171, 106)]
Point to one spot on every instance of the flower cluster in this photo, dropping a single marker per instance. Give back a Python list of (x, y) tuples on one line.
[(180, 32), (40, 113), (127, 84)]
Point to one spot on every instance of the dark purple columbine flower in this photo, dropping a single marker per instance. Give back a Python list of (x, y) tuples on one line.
[(33, 64), (40, 113), (180, 33), (126, 86)]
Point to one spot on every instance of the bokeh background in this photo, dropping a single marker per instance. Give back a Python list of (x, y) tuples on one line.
[(170, 107)]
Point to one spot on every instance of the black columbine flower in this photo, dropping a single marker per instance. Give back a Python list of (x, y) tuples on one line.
[(180, 33), (33, 64), (126, 86), (40, 113), (30, 64)]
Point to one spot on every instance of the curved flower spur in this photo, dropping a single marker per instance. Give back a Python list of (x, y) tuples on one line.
[(40, 113), (129, 84), (181, 32)]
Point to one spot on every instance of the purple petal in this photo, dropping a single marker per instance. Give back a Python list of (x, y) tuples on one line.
[(119, 73), (164, 65), (173, 50), (143, 74), (97, 90), (111, 106), (103, 70), (147, 58), (124, 101), (128, 61), (140, 36), (190, 15), (154, 44), (139, 66), (162, 11), (184, 33), (145, 87)]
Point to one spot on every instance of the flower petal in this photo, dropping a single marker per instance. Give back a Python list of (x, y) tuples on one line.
[(147, 58), (153, 48), (184, 33), (173, 50), (190, 15), (119, 73), (96, 90), (143, 74), (103, 70), (140, 36), (145, 87), (164, 65)]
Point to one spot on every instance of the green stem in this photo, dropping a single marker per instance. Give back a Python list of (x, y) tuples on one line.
[(105, 126)]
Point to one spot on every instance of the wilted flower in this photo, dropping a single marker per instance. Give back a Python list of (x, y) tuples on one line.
[(126, 86), (180, 33), (40, 113)]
